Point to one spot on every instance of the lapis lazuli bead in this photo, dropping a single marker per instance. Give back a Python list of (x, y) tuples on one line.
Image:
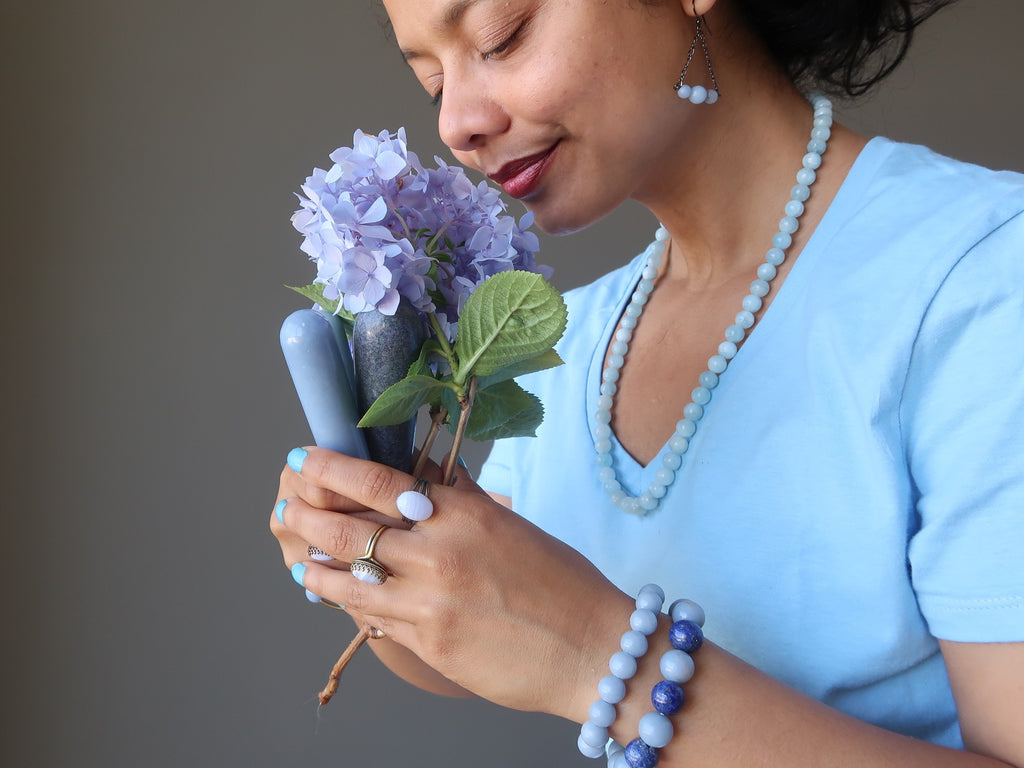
[(641, 755), (685, 636), (668, 697)]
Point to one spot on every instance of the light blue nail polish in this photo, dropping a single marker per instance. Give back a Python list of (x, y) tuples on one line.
[(296, 457), (311, 597), (461, 462), (279, 510), (299, 573)]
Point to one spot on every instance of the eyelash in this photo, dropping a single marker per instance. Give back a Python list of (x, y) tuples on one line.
[(496, 51), (505, 44)]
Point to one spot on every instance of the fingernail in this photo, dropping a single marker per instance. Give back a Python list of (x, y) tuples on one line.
[(296, 456), (311, 597), (299, 573), (461, 462), (279, 510)]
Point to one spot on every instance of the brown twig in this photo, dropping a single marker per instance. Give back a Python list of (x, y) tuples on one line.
[(465, 407), (332, 681), (436, 420)]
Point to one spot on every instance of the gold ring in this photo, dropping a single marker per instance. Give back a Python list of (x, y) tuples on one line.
[(366, 568), (375, 634)]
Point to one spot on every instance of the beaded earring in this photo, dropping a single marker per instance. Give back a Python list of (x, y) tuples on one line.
[(698, 94)]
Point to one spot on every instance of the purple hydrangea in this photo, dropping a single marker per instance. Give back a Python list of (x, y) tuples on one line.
[(382, 228)]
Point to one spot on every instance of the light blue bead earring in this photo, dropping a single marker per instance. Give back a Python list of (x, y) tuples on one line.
[(698, 94)]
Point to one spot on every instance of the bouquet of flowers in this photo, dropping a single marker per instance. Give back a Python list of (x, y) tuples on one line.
[(394, 239)]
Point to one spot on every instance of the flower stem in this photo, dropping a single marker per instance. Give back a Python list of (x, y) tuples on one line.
[(436, 420), (446, 348), (465, 407)]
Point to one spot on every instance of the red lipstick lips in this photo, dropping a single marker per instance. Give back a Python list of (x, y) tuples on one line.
[(521, 177)]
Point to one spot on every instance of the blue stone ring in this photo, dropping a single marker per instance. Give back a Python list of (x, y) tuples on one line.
[(415, 506), (366, 568)]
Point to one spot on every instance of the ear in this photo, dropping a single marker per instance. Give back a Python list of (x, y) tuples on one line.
[(695, 8)]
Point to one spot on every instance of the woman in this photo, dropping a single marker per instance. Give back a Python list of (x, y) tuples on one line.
[(844, 500)]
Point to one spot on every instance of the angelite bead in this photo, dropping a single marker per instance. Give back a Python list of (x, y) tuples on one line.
[(685, 636)]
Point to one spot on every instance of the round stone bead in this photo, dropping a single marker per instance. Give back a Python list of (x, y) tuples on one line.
[(700, 395), (800, 192), (602, 713), (752, 303), (687, 609), (686, 427), (604, 402), (735, 333), (604, 446), (767, 271), (622, 665), (709, 379), (657, 491), (620, 348), (678, 445), (693, 412), (640, 298), (788, 224), (618, 760), (822, 132), (604, 460), (640, 755), (656, 730), (609, 388), (611, 689), (667, 697), (656, 589), (611, 374), (648, 600), (683, 91), (644, 620), (603, 417), (628, 322), (606, 474), (812, 160), (775, 256), (666, 476), (794, 208), (782, 240), (671, 461), (415, 506), (676, 666), (634, 643), (698, 94), (594, 735), (624, 334), (616, 360), (685, 636), (602, 432), (587, 750), (647, 501), (634, 310), (727, 350), (805, 176), (717, 364), (745, 319), (816, 145), (759, 288), (712, 97)]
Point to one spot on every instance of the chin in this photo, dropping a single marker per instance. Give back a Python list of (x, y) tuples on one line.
[(559, 221)]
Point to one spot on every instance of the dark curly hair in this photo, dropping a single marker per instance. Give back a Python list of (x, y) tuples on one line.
[(840, 46)]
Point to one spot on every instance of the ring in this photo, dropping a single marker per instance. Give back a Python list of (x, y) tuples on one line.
[(315, 553), (415, 505), (367, 569), (375, 634)]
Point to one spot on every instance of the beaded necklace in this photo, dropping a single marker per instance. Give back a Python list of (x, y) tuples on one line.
[(679, 443)]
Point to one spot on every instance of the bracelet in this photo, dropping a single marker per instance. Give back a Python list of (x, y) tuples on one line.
[(622, 665), (656, 730)]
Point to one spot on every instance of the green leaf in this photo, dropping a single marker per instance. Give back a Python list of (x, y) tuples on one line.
[(400, 402), (504, 410), (511, 316), (541, 362), (421, 365)]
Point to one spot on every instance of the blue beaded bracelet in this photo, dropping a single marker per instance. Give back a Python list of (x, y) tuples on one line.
[(656, 730), (622, 665), (667, 696)]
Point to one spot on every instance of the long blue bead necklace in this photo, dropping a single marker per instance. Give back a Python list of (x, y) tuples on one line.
[(679, 443)]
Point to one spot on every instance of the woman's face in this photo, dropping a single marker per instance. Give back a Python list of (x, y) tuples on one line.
[(567, 104)]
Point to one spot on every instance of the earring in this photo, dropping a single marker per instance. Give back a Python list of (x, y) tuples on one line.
[(698, 94)]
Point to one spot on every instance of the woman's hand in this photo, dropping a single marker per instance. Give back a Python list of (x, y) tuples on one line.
[(487, 599)]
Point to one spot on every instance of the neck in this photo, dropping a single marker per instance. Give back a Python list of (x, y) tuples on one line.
[(731, 171)]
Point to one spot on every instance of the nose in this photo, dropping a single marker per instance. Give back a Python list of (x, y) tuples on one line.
[(469, 115)]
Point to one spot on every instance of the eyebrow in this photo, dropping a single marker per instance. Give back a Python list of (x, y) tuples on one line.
[(451, 17)]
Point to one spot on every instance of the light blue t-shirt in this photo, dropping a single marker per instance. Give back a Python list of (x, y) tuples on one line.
[(856, 486)]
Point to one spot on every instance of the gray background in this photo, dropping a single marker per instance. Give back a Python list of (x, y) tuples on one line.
[(150, 153)]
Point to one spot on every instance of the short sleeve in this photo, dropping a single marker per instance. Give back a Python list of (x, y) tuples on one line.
[(496, 475), (962, 415)]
